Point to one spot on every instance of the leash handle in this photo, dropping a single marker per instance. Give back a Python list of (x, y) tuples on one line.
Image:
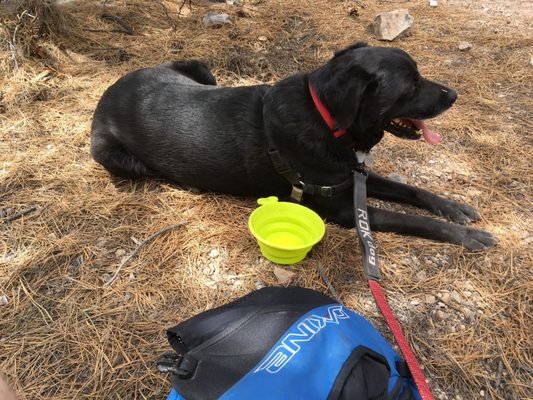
[(370, 264)]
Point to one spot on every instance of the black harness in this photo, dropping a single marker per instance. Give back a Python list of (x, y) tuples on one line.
[(299, 187)]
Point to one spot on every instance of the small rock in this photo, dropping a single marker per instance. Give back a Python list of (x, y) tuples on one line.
[(120, 253), (468, 285), (216, 19), (442, 315), (214, 253), (469, 314), (456, 297), (259, 285), (262, 38), (465, 46), (445, 298), (394, 176), (4, 301), (430, 299), (390, 25), (421, 276), (415, 302), (433, 3), (49, 146), (531, 61), (232, 2), (211, 284), (284, 277)]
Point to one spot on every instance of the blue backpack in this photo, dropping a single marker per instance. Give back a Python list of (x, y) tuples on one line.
[(283, 343)]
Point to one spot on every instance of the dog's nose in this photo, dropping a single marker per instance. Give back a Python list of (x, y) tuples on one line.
[(451, 95)]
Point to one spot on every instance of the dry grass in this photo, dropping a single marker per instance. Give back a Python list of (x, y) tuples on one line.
[(63, 334)]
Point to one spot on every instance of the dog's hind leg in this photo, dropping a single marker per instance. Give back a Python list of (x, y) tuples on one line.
[(386, 189), (117, 160), (193, 69)]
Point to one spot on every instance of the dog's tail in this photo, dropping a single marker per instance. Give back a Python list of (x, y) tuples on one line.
[(108, 152)]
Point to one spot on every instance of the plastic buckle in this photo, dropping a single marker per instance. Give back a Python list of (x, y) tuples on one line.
[(326, 191), (297, 192), (168, 362)]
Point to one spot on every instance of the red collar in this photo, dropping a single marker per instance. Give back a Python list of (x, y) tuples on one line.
[(326, 116)]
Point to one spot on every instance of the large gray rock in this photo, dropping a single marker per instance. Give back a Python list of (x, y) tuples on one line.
[(392, 24)]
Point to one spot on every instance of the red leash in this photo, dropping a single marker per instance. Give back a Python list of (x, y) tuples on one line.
[(394, 326), (370, 263)]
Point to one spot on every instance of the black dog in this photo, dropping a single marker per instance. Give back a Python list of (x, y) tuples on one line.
[(303, 135)]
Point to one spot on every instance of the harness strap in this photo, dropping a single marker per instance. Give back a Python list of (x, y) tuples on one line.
[(298, 186), (370, 264)]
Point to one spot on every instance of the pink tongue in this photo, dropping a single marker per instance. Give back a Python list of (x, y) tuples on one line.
[(430, 136)]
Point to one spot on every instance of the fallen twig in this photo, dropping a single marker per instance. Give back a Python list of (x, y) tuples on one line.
[(20, 214), (140, 246), (119, 21), (498, 375), (332, 290), (107, 30), (183, 5), (11, 45), (171, 22)]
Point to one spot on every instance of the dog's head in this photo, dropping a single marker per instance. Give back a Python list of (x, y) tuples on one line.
[(370, 89)]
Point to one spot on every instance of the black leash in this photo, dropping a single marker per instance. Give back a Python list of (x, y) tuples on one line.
[(370, 264)]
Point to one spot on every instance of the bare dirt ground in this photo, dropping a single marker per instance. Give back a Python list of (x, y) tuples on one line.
[(64, 334)]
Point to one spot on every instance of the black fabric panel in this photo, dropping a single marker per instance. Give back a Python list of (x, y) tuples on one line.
[(364, 375), (230, 340)]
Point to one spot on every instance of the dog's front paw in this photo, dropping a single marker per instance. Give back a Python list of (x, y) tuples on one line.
[(477, 239), (457, 212)]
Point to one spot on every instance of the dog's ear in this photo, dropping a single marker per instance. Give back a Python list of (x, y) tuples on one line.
[(343, 92)]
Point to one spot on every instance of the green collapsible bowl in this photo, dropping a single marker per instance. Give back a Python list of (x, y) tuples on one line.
[(285, 231)]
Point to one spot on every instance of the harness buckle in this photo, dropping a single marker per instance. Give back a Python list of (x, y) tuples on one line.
[(297, 192), (326, 191)]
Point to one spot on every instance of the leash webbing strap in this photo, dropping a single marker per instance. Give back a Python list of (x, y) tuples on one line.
[(370, 264), (362, 225)]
